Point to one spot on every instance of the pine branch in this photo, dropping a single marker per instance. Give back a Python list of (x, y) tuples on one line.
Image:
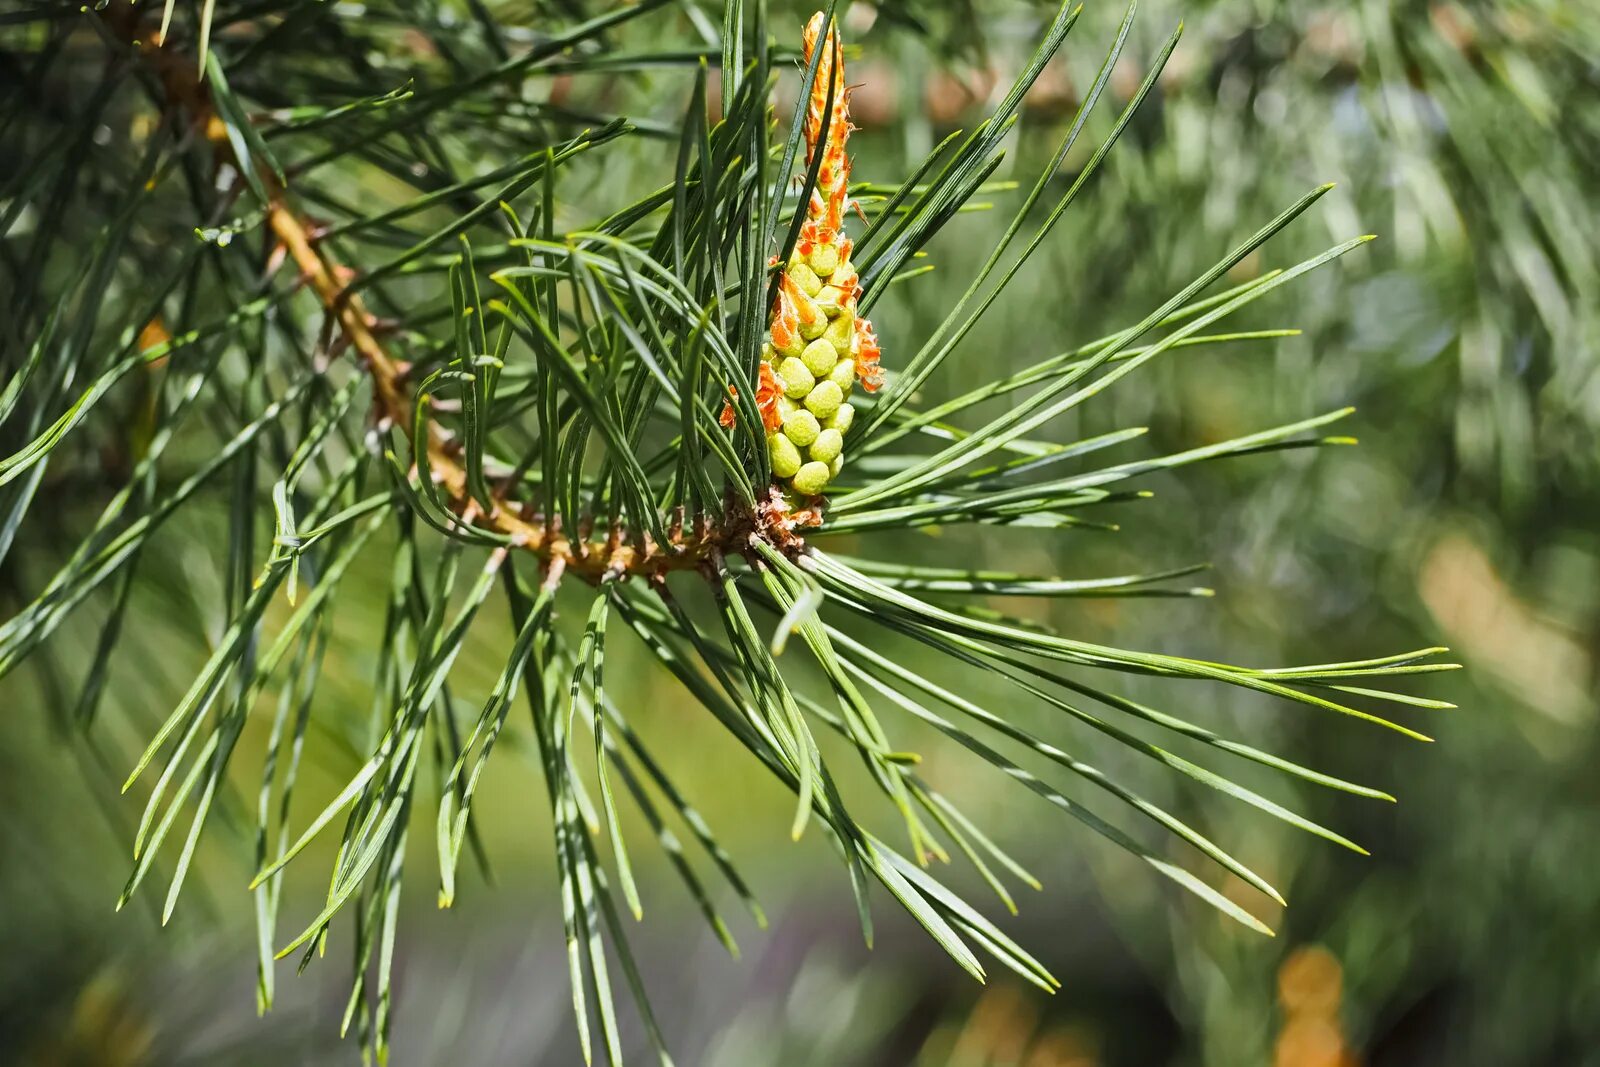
[(610, 558), (649, 403)]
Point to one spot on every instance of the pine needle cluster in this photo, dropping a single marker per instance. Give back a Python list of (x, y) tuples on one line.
[(367, 302)]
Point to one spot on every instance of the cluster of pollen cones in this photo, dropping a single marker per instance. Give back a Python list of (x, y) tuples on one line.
[(817, 346)]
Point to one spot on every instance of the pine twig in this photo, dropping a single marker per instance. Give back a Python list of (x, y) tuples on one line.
[(593, 560)]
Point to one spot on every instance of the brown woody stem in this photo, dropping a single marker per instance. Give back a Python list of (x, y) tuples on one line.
[(184, 92)]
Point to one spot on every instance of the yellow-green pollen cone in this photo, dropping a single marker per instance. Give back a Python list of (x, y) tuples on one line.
[(805, 278), (797, 380), (811, 479), (802, 428), (784, 455), (842, 419), (826, 446), (843, 375), (819, 358), (824, 398)]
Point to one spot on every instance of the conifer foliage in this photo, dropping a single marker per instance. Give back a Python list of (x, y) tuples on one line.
[(338, 274)]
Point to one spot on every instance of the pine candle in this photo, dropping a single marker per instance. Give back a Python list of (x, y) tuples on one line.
[(817, 346)]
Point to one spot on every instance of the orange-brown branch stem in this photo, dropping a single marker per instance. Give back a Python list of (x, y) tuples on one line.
[(596, 560)]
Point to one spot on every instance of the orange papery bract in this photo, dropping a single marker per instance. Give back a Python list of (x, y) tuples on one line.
[(831, 197), (866, 355), (785, 322), (768, 390), (806, 313)]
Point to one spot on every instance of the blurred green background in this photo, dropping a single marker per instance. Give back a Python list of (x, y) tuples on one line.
[(1467, 136)]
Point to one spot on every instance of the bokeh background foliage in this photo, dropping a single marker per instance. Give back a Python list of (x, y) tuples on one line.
[(1466, 136)]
